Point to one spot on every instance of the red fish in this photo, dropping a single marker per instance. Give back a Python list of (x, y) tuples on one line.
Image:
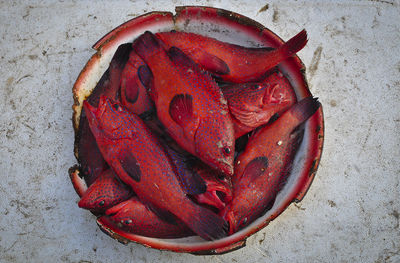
[(134, 95), (138, 159), (218, 188), (189, 104), (104, 193), (263, 167), (92, 163), (253, 104), (134, 217), (230, 62)]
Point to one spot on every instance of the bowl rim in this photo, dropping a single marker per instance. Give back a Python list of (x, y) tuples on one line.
[(292, 66)]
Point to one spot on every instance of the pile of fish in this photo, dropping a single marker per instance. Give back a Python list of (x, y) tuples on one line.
[(187, 135)]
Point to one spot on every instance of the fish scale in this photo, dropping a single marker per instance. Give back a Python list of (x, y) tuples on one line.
[(262, 168), (133, 216), (232, 63), (189, 104), (138, 159)]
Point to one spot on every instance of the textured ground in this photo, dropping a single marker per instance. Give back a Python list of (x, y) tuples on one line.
[(351, 212)]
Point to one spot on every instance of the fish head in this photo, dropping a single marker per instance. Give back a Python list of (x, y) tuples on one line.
[(229, 215), (108, 120), (94, 200), (237, 216), (105, 192), (215, 144), (265, 94)]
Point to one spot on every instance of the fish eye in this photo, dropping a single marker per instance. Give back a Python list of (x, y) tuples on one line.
[(226, 150), (116, 107), (101, 203)]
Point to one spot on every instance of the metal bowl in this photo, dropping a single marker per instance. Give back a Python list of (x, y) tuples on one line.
[(225, 26)]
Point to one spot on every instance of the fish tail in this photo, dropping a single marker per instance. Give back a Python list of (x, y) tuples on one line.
[(205, 223), (121, 56), (146, 45), (305, 108), (293, 45)]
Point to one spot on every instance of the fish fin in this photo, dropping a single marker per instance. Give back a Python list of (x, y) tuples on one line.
[(122, 183), (163, 214), (177, 56), (245, 117), (305, 108), (205, 223), (117, 64), (130, 90), (101, 87), (211, 198), (146, 45), (255, 168), (181, 108), (192, 183), (294, 44), (145, 77), (212, 63), (208, 61), (130, 166), (91, 115), (121, 56), (118, 207)]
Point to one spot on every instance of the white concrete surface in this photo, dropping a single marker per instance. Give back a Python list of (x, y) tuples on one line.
[(350, 214)]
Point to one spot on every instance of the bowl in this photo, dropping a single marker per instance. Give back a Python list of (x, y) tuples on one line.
[(225, 26)]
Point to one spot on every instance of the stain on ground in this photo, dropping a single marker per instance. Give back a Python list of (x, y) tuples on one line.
[(299, 207), (275, 16), (332, 203), (262, 239), (367, 136), (32, 57), (396, 215), (264, 8), (23, 77), (9, 81), (315, 61), (333, 103), (382, 1)]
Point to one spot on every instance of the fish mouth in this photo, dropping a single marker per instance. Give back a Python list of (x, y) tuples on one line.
[(230, 218), (225, 167), (222, 165), (83, 203)]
